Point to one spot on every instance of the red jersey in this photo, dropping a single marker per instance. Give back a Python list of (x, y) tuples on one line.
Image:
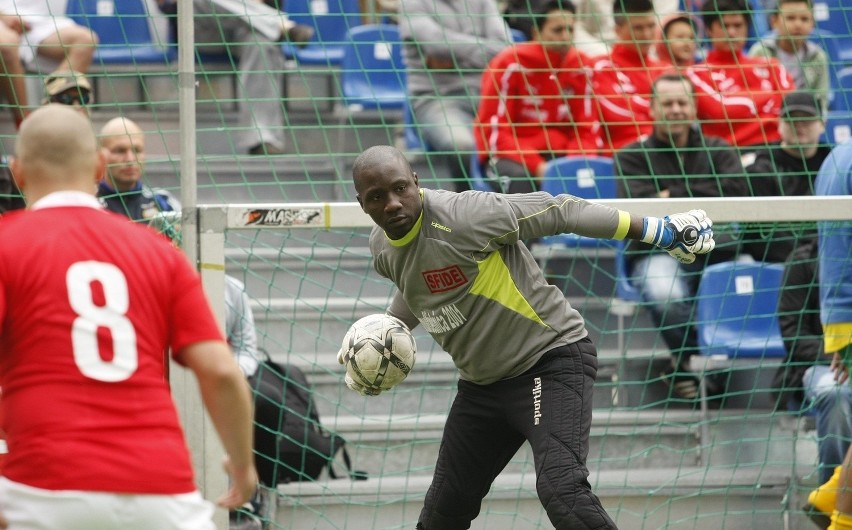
[(89, 303), (738, 98), (619, 93), (524, 112)]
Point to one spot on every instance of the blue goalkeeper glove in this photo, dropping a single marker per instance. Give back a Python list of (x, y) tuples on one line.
[(682, 235)]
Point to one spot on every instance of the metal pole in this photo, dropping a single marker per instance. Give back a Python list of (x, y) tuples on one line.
[(207, 451)]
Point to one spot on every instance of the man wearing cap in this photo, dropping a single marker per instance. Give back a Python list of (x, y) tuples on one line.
[(68, 88), (789, 168)]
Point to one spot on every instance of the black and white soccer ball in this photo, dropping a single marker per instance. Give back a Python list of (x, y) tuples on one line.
[(378, 351)]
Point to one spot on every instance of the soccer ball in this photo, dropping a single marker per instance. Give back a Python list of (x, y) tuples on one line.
[(378, 351)]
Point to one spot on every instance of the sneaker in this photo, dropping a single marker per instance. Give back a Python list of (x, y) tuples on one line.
[(244, 519), (683, 384), (265, 149), (821, 501), (297, 34)]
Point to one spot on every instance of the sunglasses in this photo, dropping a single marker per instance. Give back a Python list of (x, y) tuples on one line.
[(70, 98)]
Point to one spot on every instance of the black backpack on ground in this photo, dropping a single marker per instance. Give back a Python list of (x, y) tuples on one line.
[(290, 443)]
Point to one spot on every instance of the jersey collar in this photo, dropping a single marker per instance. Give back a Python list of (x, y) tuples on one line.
[(67, 198), (409, 237)]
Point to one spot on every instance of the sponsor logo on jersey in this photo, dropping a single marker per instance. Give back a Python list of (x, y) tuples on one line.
[(439, 226), (536, 394), (443, 280), (284, 217), (441, 320)]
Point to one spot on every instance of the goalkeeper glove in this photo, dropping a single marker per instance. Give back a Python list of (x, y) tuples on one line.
[(682, 235), (361, 389)]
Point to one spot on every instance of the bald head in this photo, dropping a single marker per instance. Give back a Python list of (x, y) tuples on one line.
[(56, 150), (375, 158), (118, 127), (123, 146)]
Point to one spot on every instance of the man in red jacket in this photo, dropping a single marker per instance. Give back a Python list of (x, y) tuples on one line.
[(739, 97), (524, 119), (619, 84)]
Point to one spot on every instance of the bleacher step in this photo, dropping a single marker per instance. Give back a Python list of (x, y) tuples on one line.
[(693, 497)]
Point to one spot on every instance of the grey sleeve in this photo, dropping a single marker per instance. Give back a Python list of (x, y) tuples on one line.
[(421, 23), (541, 214), (399, 309)]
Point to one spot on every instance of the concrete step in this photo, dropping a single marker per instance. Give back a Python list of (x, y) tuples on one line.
[(637, 498), (393, 445)]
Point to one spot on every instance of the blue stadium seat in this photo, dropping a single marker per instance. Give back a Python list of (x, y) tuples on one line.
[(477, 178), (372, 72), (517, 35), (123, 27), (589, 177), (331, 20), (737, 311), (838, 127), (836, 16), (372, 76), (413, 140), (842, 100)]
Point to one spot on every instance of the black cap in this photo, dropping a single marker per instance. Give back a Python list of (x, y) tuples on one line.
[(801, 102)]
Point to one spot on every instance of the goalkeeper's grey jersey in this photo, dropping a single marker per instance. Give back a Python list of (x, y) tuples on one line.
[(463, 272)]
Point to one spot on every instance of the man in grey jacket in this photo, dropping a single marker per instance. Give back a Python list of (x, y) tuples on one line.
[(447, 44), (526, 362), (789, 42), (253, 32)]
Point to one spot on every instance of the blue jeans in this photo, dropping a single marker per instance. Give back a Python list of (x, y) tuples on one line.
[(832, 403), (669, 289)]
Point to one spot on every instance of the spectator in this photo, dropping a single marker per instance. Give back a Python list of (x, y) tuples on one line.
[(835, 293), (66, 88), (252, 31), (507, 330), (788, 167), (804, 59), (446, 46), (805, 377), (739, 97), (677, 41), (121, 190), (621, 81), (86, 319), (524, 119), (12, 84), (677, 161), (46, 33)]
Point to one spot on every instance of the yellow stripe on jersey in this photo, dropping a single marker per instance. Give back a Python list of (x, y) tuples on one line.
[(623, 225), (495, 283), (837, 336), (409, 237)]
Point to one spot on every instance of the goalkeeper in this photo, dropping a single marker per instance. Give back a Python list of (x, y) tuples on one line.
[(526, 362)]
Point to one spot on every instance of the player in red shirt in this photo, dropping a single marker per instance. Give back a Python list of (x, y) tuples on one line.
[(524, 118), (738, 97), (618, 88), (88, 305)]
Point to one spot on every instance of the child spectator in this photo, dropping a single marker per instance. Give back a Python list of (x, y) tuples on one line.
[(524, 120), (677, 43), (806, 61), (739, 97), (619, 87)]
